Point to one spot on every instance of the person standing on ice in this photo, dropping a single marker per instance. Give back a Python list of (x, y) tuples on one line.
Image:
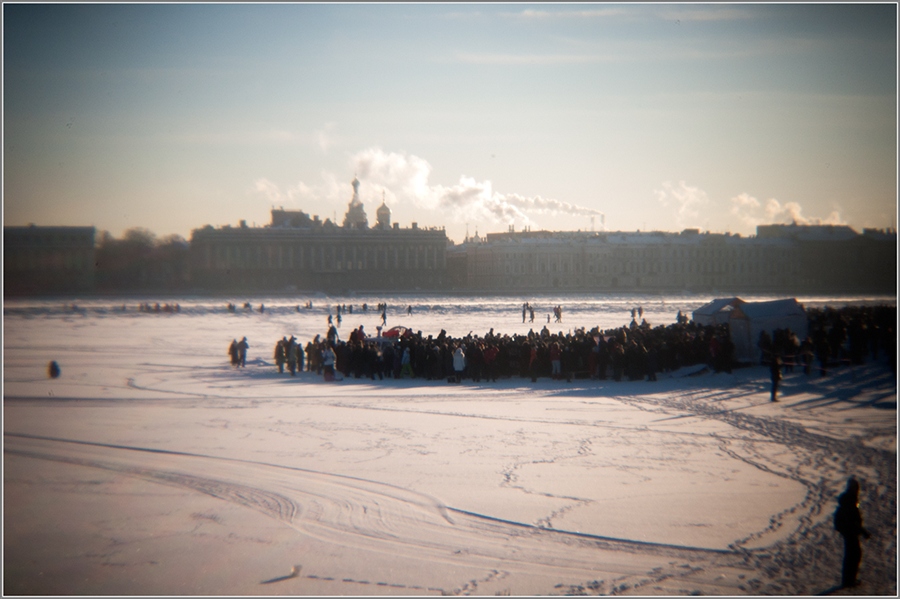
[(775, 372), (848, 522), (233, 352), (328, 359), (459, 362), (555, 361), (280, 354), (242, 351), (405, 364), (294, 354)]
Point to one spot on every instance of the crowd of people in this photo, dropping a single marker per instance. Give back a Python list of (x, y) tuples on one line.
[(288, 351), (156, 308), (848, 335), (635, 352), (528, 310)]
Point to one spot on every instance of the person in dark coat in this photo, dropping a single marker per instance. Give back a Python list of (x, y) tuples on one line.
[(848, 522), (775, 371), (233, 353), (280, 354), (242, 351), (294, 354)]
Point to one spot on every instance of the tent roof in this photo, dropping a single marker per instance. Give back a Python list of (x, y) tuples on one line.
[(714, 306), (772, 309)]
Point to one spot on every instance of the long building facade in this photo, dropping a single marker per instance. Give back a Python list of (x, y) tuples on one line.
[(48, 260), (299, 252), (779, 259)]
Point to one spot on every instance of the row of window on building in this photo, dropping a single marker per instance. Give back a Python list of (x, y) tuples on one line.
[(48, 259), (635, 268), (323, 257)]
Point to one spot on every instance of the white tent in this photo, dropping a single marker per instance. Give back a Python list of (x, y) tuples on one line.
[(749, 319)]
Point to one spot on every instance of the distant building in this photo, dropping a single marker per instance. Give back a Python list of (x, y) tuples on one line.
[(779, 259), (837, 258), (297, 251), (47, 260)]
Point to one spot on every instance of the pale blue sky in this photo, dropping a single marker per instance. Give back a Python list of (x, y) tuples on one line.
[(638, 116)]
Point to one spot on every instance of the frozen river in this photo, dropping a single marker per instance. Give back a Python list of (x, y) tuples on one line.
[(152, 467)]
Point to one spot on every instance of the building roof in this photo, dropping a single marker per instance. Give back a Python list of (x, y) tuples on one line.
[(807, 232)]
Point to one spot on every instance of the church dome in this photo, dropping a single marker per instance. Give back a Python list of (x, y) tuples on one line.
[(383, 214), (356, 212)]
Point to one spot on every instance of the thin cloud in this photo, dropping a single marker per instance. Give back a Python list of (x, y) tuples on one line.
[(280, 135), (324, 137), (687, 201), (233, 137), (708, 14), (598, 13), (300, 195), (535, 59)]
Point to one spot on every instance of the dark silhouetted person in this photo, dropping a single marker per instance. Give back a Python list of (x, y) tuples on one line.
[(53, 369), (775, 371), (294, 354), (280, 351), (242, 351), (233, 352), (848, 522)]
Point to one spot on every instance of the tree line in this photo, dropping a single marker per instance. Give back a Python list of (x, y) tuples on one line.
[(140, 261)]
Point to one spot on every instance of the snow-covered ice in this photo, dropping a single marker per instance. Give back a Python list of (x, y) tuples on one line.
[(152, 467)]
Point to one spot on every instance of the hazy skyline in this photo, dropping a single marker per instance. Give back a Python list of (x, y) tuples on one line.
[(469, 116)]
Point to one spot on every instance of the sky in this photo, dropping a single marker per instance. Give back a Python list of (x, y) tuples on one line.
[(472, 117)]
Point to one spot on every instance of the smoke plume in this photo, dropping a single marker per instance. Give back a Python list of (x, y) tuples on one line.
[(406, 179), (752, 212), (404, 182)]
